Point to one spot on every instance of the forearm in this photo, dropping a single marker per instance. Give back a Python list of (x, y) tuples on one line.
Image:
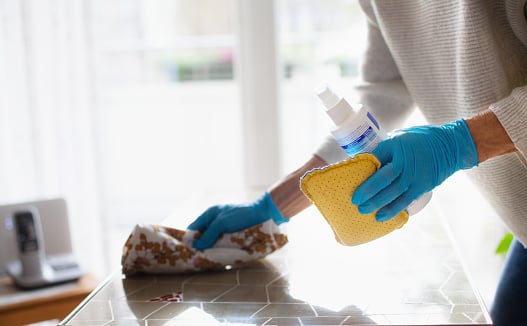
[(489, 136), (286, 194)]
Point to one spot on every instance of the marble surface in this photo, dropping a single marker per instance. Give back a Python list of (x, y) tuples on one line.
[(412, 276)]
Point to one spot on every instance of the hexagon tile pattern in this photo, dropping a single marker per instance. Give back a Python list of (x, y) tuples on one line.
[(412, 276)]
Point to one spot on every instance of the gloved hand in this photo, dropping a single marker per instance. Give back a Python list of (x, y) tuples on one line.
[(413, 162), (231, 218)]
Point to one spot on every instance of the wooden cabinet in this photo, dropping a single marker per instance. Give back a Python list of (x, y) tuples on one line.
[(19, 307)]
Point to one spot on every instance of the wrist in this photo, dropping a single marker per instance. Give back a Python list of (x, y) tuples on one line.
[(465, 145), (273, 210), (490, 138)]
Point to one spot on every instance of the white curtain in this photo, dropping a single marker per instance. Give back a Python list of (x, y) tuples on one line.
[(47, 116)]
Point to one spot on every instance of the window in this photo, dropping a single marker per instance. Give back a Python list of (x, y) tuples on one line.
[(168, 86), (168, 103)]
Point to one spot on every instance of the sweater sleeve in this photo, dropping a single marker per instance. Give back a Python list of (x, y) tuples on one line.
[(381, 89), (512, 114)]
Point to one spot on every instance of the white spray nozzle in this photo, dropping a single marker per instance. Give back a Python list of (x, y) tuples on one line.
[(337, 108), (328, 97)]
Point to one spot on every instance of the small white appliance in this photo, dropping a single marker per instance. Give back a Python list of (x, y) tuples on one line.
[(37, 242)]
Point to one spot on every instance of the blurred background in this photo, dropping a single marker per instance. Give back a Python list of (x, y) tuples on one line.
[(132, 109)]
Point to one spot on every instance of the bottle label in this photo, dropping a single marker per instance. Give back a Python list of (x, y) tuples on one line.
[(363, 139), (372, 119)]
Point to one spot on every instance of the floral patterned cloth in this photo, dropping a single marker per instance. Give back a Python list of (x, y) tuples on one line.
[(160, 249)]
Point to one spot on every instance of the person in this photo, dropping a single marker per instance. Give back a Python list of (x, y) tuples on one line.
[(464, 65)]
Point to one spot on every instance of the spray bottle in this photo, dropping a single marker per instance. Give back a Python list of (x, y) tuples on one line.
[(357, 131)]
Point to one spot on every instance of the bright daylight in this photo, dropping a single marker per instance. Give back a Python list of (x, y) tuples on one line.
[(251, 162)]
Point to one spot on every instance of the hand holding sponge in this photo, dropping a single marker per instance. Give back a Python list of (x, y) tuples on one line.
[(331, 188)]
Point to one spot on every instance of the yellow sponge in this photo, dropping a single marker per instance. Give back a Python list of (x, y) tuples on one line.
[(330, 189)]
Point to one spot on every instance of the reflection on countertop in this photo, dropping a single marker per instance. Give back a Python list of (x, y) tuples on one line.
[(412, 276)]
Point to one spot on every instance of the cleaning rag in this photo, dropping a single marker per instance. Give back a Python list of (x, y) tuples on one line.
[(161, 249)]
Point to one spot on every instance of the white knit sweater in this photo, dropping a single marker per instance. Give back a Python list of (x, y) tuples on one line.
[(453, 59)]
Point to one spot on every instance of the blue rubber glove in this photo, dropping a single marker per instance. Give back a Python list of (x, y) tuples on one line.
[(220, 219), (413, 162)]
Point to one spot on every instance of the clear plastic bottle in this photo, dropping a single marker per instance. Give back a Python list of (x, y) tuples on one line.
[(357, 131)]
